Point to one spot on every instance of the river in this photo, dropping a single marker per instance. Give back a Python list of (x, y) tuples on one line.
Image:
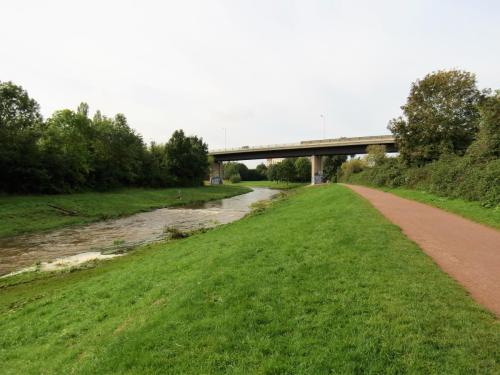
[(73, 245)]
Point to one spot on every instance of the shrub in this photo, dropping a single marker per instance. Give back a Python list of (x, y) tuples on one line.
[(352, 166), (235, 178)]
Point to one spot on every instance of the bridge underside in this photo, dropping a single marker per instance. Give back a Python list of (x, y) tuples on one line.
[(313, 149), (293, 153)]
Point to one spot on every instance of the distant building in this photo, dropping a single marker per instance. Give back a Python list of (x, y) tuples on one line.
[(271, 161)]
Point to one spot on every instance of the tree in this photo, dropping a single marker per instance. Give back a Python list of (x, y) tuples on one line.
[(20, 127), (487, 144), (331, 166), (286, 170), (262, 170), (440, 116), (303, 169), (154, 168), (272, 172), (118, 152), (375, 155), (232, 168), (186, 159), (66, 152)]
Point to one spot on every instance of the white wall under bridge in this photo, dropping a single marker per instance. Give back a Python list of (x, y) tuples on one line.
[(314, 149)]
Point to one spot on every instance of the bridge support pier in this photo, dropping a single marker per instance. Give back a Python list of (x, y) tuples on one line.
[(316, 170), (216, 173)]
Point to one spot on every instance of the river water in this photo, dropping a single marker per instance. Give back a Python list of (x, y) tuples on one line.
[(78, 244)]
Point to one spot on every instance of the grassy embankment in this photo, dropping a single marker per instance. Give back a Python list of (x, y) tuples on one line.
[(31, 213), (268, 184), (467, 209), (319, 283)]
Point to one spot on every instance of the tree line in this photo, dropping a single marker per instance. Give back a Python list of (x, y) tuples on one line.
[(286, 170), (448, 139), (73, 151)]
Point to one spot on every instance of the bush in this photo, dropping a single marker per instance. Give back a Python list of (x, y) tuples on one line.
[(451, 176), (235, 178), (352, 166)]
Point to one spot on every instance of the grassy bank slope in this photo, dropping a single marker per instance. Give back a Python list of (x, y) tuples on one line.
[(320, 283), (470, 210), (21, 214)]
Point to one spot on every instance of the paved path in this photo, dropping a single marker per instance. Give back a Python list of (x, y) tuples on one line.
[(467, 251)]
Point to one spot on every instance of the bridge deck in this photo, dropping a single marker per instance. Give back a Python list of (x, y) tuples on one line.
[(338, 146)]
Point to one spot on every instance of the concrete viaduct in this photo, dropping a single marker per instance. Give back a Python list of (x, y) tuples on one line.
[(314, 149)]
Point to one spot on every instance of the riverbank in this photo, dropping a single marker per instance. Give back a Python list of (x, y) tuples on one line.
[(34, 213), (268, 184), (58, 249), (319, 282)]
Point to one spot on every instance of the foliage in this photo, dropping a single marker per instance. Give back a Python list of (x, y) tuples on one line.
[(354, 165), (302, 169), (272, 172), (286, 170), (235, 178), (232, 168), (331, 166), (186, 159), (445, 112), (451, 176), (262, 170), (440, 117), (20, 127), (72, 152), (487, 144), (319, 283), (375, 155)]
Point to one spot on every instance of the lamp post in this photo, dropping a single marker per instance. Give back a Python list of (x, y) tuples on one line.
[(225, 138), (324, 124)]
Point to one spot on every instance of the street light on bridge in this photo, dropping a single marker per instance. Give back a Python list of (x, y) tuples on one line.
[(324, 124)]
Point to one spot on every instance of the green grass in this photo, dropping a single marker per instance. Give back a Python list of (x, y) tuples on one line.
[(470, 210), (31, 213), (320, 283), (268, 184)]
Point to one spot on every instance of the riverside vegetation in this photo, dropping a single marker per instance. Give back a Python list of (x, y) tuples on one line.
[(449, 143), (72, 151), (276, 292)]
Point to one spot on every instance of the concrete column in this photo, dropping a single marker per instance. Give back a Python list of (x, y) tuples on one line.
[(316, 170), (216, 173)]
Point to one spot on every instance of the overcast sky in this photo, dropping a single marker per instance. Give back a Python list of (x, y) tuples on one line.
[(264, 70)]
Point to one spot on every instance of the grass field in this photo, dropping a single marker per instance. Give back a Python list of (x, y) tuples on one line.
[(470, 210), (269, 184), (22, 214), (319, 283)]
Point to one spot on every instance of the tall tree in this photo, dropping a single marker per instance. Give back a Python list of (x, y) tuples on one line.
[(487, 144), (440, 116), (286, 170), (20, 127), (186, 159), (303, 169), (331, 166), (262, 170)]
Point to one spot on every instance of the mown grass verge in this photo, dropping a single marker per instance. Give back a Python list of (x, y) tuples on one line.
[(31, 213), (470, 210), (318, 283)]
